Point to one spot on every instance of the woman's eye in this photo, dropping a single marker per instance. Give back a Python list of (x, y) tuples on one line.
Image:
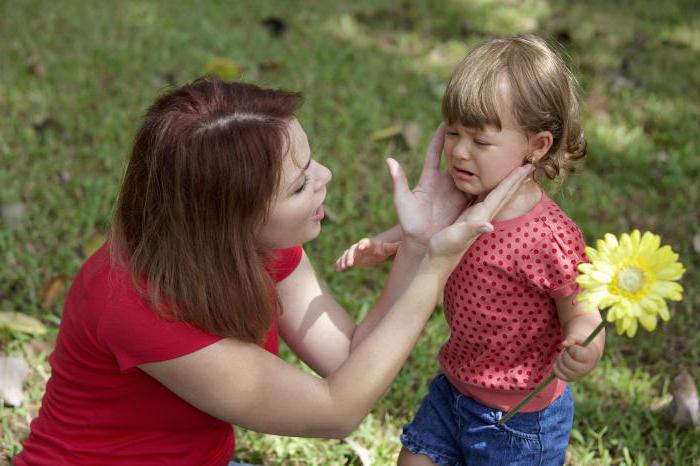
[(451, 133), (303, 186)]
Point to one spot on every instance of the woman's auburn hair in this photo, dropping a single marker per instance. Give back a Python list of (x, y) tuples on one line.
[(540, 91), (204, 169)]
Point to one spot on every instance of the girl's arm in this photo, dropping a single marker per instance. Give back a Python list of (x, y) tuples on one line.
[(576, 361), (392, 235)]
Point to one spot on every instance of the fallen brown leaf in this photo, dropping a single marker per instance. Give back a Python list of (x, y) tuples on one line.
[(52, 290), (36, 67), (93, 244), (685, 408)]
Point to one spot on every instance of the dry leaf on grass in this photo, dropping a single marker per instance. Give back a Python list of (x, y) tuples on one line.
[(685, 408), (223, 68), (13, 371), (52, 290), (13, 214), (93, 244), (362, 453), (18, 322), (386, 133), (409, 133)]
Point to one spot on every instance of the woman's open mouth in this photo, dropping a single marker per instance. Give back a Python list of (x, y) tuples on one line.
[(319, 214)]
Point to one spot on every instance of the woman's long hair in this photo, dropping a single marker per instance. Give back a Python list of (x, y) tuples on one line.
[(203, 171)]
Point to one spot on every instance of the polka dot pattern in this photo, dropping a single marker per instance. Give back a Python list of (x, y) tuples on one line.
[(505, 333)]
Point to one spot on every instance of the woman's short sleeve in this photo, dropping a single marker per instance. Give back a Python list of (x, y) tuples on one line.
[(284, 262), (135, 334)]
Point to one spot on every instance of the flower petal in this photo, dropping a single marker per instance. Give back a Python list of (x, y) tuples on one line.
[(648, 321)]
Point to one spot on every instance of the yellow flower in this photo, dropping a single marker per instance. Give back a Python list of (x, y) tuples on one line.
[(631, 277)]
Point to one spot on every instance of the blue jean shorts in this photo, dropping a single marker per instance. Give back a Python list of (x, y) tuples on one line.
[(453, 429)]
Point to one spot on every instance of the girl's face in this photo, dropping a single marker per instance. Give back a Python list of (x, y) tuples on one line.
[(478, 159), (297, 210)]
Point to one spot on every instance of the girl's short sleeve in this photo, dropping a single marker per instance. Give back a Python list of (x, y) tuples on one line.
[(552, 264)]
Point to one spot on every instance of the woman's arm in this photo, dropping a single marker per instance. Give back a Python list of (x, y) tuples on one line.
[(245, 385), (314, 325)]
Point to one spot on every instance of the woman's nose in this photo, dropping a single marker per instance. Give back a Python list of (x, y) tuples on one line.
[(323, 176)]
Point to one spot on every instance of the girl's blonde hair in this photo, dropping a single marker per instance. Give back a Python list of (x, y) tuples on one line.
[(539, 89)]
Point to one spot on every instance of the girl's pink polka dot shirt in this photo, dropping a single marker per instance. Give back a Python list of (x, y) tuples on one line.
[(505, 332)]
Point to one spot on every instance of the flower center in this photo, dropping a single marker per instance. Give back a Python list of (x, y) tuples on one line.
[(633, 280), (630, 278)]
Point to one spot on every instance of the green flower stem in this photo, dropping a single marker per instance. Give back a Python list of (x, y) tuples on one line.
[(546, 381)]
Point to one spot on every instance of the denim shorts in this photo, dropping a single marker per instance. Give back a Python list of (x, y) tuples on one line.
[(453, 429)]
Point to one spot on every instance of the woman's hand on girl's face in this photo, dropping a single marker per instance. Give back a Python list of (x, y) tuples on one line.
[(456, 238), (434, 212), (435, 202)]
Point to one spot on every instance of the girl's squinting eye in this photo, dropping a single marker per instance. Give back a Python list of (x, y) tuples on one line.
[(303, 186), (479, 142), (451, 133)]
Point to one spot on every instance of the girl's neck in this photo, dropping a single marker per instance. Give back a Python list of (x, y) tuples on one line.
[(525, 198)]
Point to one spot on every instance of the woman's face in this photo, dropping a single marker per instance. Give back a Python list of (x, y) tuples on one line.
[(297, 210)]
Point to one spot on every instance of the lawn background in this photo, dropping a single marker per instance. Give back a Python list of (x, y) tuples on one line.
[(76, 76)]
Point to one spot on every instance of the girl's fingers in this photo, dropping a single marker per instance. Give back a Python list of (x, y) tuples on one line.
[(572, 367), (340, 263), (580, 354), (563, 374)]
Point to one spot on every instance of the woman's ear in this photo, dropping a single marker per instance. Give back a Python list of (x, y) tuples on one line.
[(540, 144)]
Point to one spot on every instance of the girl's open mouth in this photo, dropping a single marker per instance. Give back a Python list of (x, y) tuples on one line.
[(464, 174)]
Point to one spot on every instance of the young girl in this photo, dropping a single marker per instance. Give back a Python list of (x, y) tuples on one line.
[(510, 303)]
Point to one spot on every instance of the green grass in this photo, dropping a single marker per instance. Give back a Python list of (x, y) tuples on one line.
[(76, 76)]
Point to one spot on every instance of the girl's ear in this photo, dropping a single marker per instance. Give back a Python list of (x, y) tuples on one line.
[(540, 144)]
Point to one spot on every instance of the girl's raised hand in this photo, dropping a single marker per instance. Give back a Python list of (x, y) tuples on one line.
[(367, 252)]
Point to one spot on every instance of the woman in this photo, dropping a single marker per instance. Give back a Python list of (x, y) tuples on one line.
[(169, 332)]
